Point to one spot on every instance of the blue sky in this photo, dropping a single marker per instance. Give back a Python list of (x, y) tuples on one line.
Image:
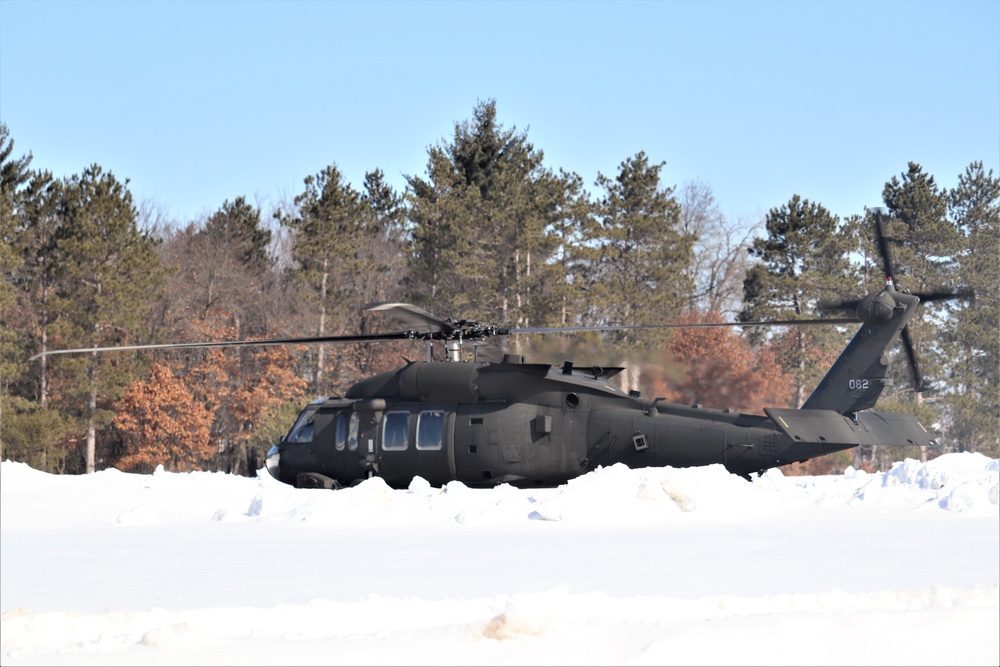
[(200, 102)]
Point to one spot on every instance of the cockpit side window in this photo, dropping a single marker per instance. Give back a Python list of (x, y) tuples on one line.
[(430, 429), (395, 431), (341, 434), (352, 432), (302, 430)]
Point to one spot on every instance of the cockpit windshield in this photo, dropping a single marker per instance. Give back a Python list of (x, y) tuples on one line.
[(302, 430)]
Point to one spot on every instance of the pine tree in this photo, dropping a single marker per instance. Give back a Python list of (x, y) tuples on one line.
[(435, 215), (562, 294), (638, 270), (972, 333), (238, 225), (923, 243), (27, 323), (924, 240), (803, 259), (480, 223), (330, 232), (376, 274), (13, 175), (634, 258), (107, 276), (223, 265)]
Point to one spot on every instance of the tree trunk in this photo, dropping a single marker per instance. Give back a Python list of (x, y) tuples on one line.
[(800, 390), (43, 387), (321, 353), (91, 427)]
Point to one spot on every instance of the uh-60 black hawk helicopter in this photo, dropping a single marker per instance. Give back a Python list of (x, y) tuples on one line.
[(485, 423)]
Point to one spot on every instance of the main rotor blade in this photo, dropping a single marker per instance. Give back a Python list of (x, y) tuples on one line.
[(687, 325), (416, 319), (429, 327), (367, 338)]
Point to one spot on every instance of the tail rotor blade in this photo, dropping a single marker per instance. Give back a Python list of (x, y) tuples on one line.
[(918, 378), (848, 304), (945, 295), (883, 245)]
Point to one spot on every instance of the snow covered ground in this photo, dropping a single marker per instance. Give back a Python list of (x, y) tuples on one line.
[(657, 566)]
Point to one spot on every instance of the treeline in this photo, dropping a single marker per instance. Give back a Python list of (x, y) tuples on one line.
[(487, 233)]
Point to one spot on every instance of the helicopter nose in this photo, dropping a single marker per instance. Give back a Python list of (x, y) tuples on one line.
[(274, 462)]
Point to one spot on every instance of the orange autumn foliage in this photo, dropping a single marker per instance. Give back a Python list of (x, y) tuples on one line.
[(201, 411), (162, 423), (240, 388), (723, 370), (241, 384)]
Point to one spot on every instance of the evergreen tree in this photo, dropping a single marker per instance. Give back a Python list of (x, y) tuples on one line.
[(108, 274), (803, 260), (30, 429), (330, 231), (13, 171), (13, 175), (386, 205), (377, 268), (562, 288), (972, 333), (924, 240), (923, 243), (480, 222), (376, 273), (435, 214), (29, 320), (238, 225), (637, 271), (234, 268), (635, 258)]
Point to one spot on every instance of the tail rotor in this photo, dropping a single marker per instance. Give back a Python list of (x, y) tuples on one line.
[(878, 306)]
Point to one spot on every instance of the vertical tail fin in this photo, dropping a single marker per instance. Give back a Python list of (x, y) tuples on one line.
[(857, 378)]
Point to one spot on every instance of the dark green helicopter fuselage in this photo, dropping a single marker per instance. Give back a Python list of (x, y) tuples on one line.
[(524, 424), (539, 425)]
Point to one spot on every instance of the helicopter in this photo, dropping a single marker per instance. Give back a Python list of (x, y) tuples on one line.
[(508, 421)]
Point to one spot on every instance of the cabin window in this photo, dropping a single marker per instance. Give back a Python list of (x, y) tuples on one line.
[(352, 432), (395, 431), (341, 433), (302, 430), (430, 429)]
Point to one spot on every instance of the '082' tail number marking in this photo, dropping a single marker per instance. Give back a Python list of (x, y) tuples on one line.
[(861, 383)]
